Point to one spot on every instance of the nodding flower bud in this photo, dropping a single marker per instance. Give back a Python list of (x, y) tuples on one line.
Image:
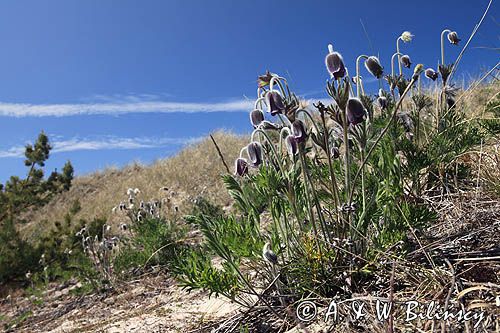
[(431, 74), (355, 111), (453, 38), (299, 130), (405, 61), (406, 36), (254, 150), (335, 152), (241, 167), (335, 64), (382, 100), (256, 117), (274, 103), (269, 255), (417, 71), (291, 144), (373, 65)]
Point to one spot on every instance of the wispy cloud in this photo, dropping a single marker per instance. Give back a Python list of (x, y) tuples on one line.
[(107, 143), (17, 151), (128, 105)]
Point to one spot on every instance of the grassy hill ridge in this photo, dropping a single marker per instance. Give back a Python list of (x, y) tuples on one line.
[(194, 171)]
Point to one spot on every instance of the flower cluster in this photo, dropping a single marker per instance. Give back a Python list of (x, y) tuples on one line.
[(340, 129)]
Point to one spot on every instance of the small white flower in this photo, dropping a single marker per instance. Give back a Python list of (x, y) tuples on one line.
[(136, 191), (130, 191), (406, 36)]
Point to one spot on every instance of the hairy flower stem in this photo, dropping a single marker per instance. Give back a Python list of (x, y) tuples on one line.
[(363, 191), (306, 113), (277, 80), (278, 160), (392, 62), (307, 179), (442, 44), (335, 189), (346, 162), (399, 56), (358, 78), (381, 135)]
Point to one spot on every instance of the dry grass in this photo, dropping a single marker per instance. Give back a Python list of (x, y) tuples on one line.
[(193, 172)]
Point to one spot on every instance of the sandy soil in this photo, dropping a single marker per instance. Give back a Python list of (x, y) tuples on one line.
[(150, 304)]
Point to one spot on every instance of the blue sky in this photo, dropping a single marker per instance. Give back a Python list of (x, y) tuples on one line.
[(113, 82)]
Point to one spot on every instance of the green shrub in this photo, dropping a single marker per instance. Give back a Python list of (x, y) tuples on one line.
[(18, 256), (152, 241)]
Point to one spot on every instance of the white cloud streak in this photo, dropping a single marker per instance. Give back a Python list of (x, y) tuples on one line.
[(108, 143), (118, 108)]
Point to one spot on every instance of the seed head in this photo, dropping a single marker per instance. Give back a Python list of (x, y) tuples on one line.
[(406, 36), (355, 111), (254, 150), (453, 38), (431, 74), (373, 65)]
